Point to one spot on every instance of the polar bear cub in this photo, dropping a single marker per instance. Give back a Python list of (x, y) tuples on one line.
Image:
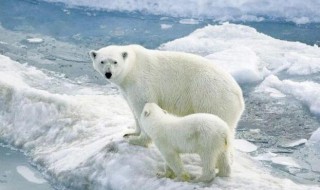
[(201, 133)]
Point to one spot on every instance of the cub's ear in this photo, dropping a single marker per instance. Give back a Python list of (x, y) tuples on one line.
[(93, 54), (124, 55), (146, 113)]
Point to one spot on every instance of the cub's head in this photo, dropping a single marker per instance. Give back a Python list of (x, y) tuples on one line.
[(151, 110), (113, 62)]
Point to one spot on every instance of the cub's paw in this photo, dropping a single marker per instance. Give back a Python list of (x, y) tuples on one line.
[(184, 177), (167, 174)]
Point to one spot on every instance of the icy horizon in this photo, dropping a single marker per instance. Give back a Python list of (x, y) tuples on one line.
[(299, 12)]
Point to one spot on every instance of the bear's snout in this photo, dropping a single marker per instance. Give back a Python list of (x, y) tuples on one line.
[(108, 75)]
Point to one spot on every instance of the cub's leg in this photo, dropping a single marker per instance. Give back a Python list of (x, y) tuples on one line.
[(224, 164), (168, 173), (208, 161), (174, 162)]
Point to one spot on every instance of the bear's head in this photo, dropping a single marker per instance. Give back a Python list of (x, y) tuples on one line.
[(112, 62), (152, 109)]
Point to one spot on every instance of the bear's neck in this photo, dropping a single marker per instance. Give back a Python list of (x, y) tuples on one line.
[(128, 83), (138, 77)]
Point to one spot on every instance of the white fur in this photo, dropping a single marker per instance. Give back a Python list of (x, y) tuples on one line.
[(203, 134), (181, 83)]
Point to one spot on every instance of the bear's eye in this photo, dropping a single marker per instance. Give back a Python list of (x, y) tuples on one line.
[(115, 62), (102, 62)]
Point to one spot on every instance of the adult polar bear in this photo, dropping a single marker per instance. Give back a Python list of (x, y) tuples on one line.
[(180, 83)]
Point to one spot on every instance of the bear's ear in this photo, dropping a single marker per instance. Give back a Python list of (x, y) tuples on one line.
[(164, 111), (93, 54), (146, 113), (124, 55)]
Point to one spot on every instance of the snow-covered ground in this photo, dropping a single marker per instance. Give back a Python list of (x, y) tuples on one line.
[(72, 130), (77, 139)]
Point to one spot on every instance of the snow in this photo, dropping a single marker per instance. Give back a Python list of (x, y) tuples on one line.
[(248, 55), (300, 12), (244, 145), (242, 65), (76, 138), (29, 175), (306, 91)]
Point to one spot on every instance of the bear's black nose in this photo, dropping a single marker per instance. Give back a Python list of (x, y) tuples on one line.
[(108, 75)]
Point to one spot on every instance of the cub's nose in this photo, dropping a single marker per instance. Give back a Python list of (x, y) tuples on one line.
[(108, 75)]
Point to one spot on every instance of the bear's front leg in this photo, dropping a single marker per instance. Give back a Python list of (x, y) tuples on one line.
[(142, 140), (136, 132)]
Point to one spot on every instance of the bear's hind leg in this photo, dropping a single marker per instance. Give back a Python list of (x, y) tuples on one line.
[(224, 164)]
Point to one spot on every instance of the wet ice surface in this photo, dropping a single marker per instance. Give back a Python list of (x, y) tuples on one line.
[(17, 173), (275, 116)]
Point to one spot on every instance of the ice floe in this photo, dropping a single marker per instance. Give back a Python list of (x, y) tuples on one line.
[(248, 55), (77, 139)]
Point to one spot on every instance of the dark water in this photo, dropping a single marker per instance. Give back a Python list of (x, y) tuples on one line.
[(100, 28)]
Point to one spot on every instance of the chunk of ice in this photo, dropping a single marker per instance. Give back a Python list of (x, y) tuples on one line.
[(244, 145), (189, 21), (35, 40), (266, 156), (294, 143), (285, 161), (165, 26), (29, 175)]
